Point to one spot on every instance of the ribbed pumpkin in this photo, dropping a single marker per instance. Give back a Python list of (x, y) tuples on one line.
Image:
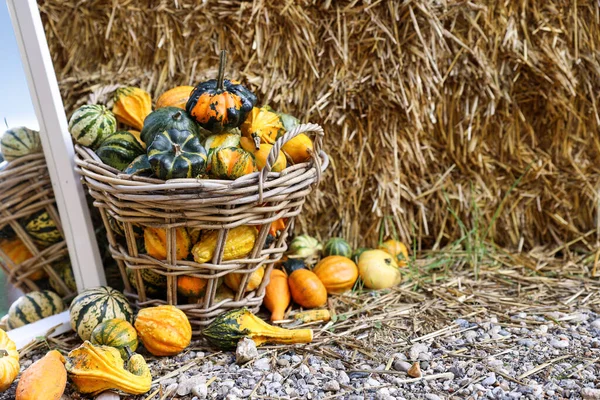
[(337, 273), (91, 124), (131, 106), (18, 142), (233, 281), (299, 149), (219, 104), (164, 330), (119, 150), (154, 283), (167, 118), (155, 240), (337, 247), (396, 249), (140, 166), (305, 286), (93, 306), (17, 252), (42, 229), (116, 333), (261, 155), (231, 163), (262, 126), (176, 154), (191, 286), (9, 361), (34, 306), (176, 97), (239, 243), (226, 139), (65, 273)]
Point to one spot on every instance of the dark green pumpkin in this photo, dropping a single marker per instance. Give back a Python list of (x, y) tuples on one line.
[(176, 154), (119, 150), (116, 333), (220, 104), (140, 166), (42, 229), (164, 119), (337, 247)]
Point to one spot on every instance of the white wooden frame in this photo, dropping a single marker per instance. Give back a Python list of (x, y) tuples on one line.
[(57, 144)]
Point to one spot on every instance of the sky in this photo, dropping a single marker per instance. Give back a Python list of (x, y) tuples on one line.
[(15, 102)]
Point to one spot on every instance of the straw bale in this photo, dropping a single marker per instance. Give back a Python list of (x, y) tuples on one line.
[(482, 110)]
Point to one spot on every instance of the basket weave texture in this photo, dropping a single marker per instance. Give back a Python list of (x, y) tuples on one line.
[(257, 199), (26, 189)]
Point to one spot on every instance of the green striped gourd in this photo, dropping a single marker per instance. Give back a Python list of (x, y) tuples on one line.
[(176, 154), (18, 142), (167, 118), (65, 273), (305, 246), (140, 166), (91, 124), (337, 247), (116, 333), (93, 306), (42, 229), (33, 307), (154, 284), (119, 150)]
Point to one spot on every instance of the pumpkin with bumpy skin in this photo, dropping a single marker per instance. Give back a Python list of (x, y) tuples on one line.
[(262, 126), (155, 240), (231, 163), (227, 139), (18, 142), (191, 286), (119, 150), (91, 124), (116, 333), (44, 379), (164, 330), (131, 106), (9, 361), (262, 153), (219, 104), (176, 154), (176, 97), (337, 247), (34, 306), (93, 306), (337, 273), (167, 118)]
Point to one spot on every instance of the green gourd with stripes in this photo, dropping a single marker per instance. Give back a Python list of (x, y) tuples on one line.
[(116, 333), (18, 142), (33, 307), (96, 305), (91, 124), (42, 229)]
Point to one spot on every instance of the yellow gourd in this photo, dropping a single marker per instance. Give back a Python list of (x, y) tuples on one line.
[(234, 280), (132, 106), (378, 269), (299, 149), (262, 126), (94, 369), (155, 240), (261, 154), (396, 249), (9, 361), (240, 242), (44, 379)]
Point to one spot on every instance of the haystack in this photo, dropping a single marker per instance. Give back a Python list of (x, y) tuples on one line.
[(443, 118)]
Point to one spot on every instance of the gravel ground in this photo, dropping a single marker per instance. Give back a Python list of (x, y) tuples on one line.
[(554, 356)]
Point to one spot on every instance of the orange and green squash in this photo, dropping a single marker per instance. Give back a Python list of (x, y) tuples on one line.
[(396, 249), (262, 153), (131, 106), (155, 240), (231, 163), (191, 286), (262, 126)]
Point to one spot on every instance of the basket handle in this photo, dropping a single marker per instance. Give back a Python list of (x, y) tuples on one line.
[(274, 154)]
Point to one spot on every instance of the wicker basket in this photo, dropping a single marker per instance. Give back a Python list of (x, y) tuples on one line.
[(25, 189), (256, 199)]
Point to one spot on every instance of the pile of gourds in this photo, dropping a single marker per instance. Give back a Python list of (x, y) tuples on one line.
[(15, 143), (212, 130), (103, 319), (338, 271)]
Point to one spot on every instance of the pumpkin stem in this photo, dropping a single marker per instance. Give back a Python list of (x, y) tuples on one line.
[(3, 353), (177, 116), (221, 76), (128, 351), (177, 149)]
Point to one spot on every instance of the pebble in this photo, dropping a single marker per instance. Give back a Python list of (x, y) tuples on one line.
[(470, 335), (489, 380), (401, 366), (245, 351), (596, 324), (331, 386), (559, 343), (417, 349), (590, 393), (373, 382), (343, 378), (526, 342), (186, 385), (200, 390), (262, 364), (108, 395), (171, 388), (431, 396)]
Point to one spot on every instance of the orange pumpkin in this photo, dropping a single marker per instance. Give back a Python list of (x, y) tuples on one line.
[(277, 226), (17, 252), (191, 286), (44, 379), (305, 286), (396, 249), (155, 240), (337, 273), (176, 97), (164, 330), (277, 295), (231, 163)]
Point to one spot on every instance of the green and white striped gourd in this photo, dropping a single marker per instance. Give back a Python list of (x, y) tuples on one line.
[(96, 305), (18, 142), (304, 246), (337, 247), (33, 307), (91, 124)]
